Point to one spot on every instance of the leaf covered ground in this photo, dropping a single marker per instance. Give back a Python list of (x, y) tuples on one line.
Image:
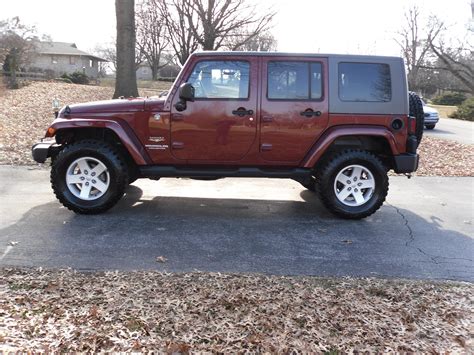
[(64, 310), (25, 114)]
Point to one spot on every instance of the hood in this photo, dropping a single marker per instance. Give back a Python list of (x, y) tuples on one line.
[(117, 105), (427, 109)]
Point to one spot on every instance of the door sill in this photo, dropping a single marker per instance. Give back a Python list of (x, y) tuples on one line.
[(216, 172)]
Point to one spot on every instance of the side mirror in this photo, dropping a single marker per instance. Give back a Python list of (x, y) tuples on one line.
[(186, 93)]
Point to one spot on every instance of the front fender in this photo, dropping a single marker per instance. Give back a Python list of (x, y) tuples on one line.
[(325, 141), (121, 129)]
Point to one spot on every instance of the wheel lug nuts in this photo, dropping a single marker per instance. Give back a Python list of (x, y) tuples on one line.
[(93, 174), (349, 188), (355, 190), (86, 172), (355, 179), (93, 181), (348, 182), (359, 184), (82, 177), (87, 184)]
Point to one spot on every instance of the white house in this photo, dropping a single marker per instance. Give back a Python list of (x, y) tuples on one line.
[(62, 57)]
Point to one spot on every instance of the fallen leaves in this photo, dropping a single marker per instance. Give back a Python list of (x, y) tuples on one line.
[(66, 311), (441, 157), (161, 259)]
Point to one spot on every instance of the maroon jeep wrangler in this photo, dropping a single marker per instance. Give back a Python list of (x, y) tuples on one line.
[(335, 123)]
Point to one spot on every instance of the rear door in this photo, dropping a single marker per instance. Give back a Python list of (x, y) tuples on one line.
[(220, 125), (294, 109)]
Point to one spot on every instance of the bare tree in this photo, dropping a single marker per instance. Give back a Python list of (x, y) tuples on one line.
[(458, 61), (177, 15), (108, 51), (126, 78), (262, 42), (213, 21), (413, 41), (152, 39), (17, 47)]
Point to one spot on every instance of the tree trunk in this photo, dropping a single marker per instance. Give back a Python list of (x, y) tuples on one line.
[(154, 71), (126, 76)]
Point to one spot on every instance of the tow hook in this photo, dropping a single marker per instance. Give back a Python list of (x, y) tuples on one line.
[(408, 175)]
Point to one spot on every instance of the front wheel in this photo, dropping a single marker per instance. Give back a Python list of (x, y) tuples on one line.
[(352, 184), (430, 126), (89, 176)]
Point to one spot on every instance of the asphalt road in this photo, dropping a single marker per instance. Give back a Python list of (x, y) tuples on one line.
[(456, 130), (242, 225)]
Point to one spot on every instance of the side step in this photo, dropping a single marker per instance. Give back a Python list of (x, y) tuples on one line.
[(172, 171)]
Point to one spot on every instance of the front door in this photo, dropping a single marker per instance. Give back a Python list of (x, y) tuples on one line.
[(220, 125), (294, 109)]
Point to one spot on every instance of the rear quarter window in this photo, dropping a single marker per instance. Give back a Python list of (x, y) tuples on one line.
[(364, 82)]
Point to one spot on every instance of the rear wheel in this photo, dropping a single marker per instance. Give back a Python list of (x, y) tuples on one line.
[(89, 176), (352, 184)]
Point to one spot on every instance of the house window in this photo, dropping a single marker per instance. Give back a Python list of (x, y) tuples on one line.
[(54, 59), (72, 59), (91, 63), (364, 82)]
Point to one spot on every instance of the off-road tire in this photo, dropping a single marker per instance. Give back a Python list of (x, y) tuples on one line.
[(416, 110), (327, 173), (430, 126), (105, 153)]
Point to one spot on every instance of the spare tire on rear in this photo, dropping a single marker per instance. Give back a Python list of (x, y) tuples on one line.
[(416, 111)]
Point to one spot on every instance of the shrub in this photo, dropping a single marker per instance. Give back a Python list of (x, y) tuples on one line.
[(465, 111), (77, 78), (63, 80), (452, 99)]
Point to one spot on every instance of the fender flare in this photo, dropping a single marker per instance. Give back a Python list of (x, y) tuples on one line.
[(325, 141), (121, 129)]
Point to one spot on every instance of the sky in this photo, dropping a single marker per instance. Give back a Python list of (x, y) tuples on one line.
[(317, 26)]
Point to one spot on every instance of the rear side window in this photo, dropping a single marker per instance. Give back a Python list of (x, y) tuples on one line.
[(366, 82), (294, 81), (221, 79)]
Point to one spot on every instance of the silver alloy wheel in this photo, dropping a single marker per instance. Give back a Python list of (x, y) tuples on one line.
[(354, 185), (87, 178)]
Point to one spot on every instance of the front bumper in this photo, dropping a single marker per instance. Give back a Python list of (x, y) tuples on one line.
[(431, 118), (43, 150), (406, 163)]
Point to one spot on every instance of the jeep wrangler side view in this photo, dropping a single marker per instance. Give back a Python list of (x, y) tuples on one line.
[(335, 123)]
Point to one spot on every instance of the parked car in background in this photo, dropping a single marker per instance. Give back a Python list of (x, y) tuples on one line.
[(431, 116)]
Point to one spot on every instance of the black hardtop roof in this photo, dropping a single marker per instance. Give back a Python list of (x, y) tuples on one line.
[(291, 54)]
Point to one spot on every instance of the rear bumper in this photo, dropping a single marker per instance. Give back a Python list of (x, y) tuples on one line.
[(406, 163), (43, 150)]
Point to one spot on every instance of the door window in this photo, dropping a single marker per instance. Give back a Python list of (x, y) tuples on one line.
[(221, 79), (294, 81)]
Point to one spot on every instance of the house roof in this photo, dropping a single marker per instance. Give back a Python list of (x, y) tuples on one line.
[(64, 48)]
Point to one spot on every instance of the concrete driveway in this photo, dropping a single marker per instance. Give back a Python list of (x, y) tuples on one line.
[(456, 130), (242, 225)]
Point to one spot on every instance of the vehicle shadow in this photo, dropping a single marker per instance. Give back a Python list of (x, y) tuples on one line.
[(239, 235)]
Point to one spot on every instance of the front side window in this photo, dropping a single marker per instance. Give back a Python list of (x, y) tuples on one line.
[(294, 81), (366, 82), (221, 79)]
